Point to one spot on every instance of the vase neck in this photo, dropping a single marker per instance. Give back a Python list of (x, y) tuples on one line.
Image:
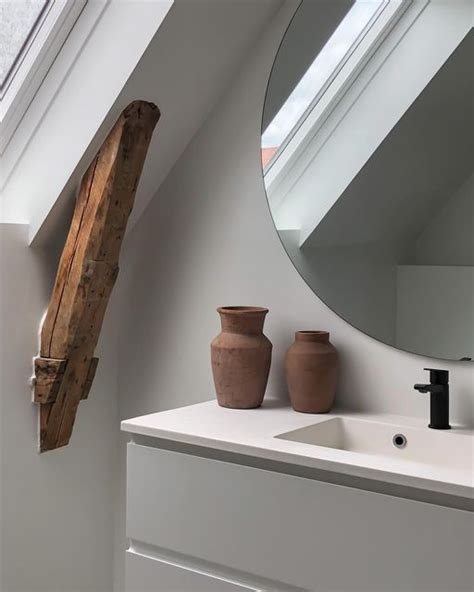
[(312, 336), (243, 320)]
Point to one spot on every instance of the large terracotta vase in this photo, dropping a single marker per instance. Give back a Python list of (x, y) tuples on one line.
[(311, 372), (241, 357)]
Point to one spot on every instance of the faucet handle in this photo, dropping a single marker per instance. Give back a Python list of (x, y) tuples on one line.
[(438, 376)]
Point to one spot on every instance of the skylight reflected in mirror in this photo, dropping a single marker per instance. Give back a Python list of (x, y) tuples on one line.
[(319, 74), (18, 20)]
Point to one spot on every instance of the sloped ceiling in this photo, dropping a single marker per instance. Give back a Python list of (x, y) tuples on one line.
[(187, 66), (416, 169)]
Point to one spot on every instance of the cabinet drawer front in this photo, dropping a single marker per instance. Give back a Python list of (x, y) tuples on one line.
[(292, 530), (144, 574)]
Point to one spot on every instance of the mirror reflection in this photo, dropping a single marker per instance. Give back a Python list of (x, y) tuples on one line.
[(367, 151)]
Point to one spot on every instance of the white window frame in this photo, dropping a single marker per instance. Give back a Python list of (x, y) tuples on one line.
[(284, 168), (42, 46)]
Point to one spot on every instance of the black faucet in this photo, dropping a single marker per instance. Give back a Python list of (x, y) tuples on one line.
[(439, 398)]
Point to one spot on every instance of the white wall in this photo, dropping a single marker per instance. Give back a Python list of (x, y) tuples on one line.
[(56, 509), (357, 281), (435, 310), (208, 239), (435, 294), (448, 238)]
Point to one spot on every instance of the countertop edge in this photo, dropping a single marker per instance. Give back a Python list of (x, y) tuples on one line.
[(419, 489)]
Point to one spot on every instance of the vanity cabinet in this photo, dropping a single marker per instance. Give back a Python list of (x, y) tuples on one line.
[(145, 574), (195, 523)]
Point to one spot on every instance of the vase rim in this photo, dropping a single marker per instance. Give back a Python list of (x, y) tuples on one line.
[(242, 309), (312, 336), (313, 332)]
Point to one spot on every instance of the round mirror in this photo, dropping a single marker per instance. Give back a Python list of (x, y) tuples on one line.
[(367, 154)]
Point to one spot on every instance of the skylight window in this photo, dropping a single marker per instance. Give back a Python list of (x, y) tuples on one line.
[(32, 32), (322, 72), (19, 20)]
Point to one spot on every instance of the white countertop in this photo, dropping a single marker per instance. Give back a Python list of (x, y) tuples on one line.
[(253, 433)]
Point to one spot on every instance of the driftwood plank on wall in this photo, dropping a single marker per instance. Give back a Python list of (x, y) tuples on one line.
[(87, 272)]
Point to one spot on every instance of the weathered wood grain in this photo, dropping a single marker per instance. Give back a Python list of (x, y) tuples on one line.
[(48, 376), (87, 272), (90, 377)]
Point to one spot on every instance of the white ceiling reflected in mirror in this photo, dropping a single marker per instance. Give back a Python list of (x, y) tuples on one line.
[(367, 151)]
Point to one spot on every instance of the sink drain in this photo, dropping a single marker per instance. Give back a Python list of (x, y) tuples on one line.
[(399, 441)]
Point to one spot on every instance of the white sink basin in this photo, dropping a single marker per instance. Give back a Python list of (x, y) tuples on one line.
[(445, 449)]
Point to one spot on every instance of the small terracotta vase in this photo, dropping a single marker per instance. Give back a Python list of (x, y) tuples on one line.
[(311, 372), (241, 357)]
